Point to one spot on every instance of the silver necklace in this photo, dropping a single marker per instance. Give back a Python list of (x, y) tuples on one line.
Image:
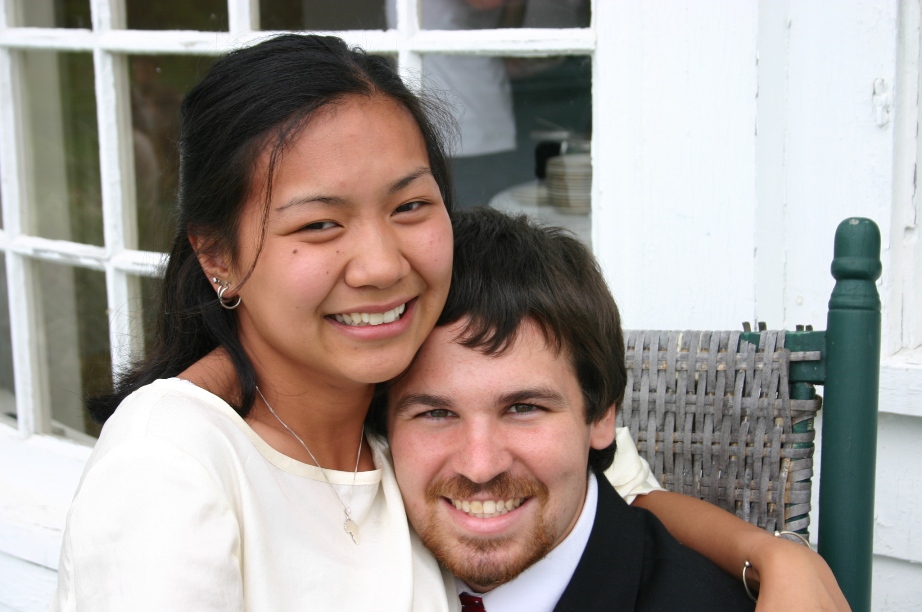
[(349, 526)]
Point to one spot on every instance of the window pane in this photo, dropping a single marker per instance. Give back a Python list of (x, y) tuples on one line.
[(55, 13), (158, 84), (62, 163), (7, 388), (76, 333), (208, 15), (322, 15), (147, 305), (514, 115), (489, 14)]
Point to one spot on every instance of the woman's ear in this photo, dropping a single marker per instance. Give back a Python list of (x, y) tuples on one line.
[(213, 262)]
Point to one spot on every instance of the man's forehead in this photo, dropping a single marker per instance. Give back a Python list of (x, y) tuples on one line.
[(443, 355)]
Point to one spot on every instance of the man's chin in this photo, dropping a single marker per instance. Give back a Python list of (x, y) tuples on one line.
[(485, 563)]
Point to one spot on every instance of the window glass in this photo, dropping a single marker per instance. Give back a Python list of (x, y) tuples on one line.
[(490, 14), (158, 84), (329, 15), (515, 115), (54, 13), (76, 336), (7, 388), (207, 15), (62, 144), (147, 306)]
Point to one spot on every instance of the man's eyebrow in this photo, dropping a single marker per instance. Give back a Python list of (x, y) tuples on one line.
[(436, 402), (392, 188), (531, 394)]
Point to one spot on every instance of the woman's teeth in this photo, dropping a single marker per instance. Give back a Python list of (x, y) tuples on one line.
[(488, 508), (370, 318)]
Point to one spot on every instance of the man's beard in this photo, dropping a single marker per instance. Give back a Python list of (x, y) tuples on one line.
[(470, 558)]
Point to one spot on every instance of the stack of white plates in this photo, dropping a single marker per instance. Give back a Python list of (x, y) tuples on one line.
[(569, 183)]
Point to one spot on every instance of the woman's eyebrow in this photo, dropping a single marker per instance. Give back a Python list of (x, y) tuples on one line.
[(392, 188), (403, 182)]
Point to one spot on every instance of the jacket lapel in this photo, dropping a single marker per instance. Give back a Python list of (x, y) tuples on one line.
[(609, 572)]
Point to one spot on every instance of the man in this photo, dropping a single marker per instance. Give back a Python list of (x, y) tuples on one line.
[(493, 427)]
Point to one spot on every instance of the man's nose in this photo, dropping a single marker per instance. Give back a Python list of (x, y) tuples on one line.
[(377, 260), (483, 453)]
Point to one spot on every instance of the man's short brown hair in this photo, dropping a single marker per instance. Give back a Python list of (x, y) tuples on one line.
[(511, 269)]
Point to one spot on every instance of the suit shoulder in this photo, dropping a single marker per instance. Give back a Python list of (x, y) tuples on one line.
[(676, 577)]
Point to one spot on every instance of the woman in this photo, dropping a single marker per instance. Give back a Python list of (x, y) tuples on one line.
[(312, 258)]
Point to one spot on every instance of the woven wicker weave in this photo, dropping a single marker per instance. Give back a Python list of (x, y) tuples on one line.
[(719, 424)]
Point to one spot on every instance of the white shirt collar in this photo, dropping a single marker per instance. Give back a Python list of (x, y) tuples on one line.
[(540, 586)]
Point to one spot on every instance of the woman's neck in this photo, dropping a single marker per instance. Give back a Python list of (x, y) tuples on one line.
[(328, 419)]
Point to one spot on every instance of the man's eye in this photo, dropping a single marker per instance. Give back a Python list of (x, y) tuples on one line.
[(439, 413), (523, 408)]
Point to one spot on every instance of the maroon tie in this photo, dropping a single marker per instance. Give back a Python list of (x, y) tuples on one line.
[(469, 603)]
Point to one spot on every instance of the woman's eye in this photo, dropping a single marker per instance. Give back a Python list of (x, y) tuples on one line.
[(319, 225), (408, 207), (522, 408)]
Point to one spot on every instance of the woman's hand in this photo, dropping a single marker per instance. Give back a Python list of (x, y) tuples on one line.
[(790, 576)]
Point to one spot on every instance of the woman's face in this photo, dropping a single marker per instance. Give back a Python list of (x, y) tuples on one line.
[(356, 262)]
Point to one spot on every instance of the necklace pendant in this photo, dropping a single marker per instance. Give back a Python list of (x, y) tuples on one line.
[(352, 529)]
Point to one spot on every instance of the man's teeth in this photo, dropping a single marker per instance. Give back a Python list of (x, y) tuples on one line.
[(371, 318), (488, 508)]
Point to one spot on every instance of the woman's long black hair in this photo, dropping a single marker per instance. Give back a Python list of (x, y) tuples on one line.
[(251, 101)]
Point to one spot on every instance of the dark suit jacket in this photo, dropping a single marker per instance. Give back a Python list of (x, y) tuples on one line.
[(632, 563)]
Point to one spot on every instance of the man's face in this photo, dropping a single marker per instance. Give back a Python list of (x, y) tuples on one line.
[(491, 452)]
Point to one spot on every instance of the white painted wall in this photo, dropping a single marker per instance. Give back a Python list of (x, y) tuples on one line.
[(734, 138)]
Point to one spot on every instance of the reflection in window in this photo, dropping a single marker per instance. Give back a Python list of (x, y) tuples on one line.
[(514, 114), (62, 160), (158, 84), (54, 13), (328, 15), (7, 388), (490, 14), (147, 307), (207, 15), (75, 330)]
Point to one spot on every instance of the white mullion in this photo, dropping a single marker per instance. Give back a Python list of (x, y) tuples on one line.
[(519, 42), (61, 39), (57, 251), (242, 16), (140, 263), (409, 62), (185, 42), (116, 159), (108, 14), (32, 406)]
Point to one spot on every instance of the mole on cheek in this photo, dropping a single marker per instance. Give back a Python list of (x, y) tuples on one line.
[(293, 252)]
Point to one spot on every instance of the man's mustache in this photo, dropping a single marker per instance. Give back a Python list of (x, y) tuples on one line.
[(502, 486)]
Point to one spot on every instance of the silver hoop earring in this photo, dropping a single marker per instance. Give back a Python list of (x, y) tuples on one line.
[(222, 287)]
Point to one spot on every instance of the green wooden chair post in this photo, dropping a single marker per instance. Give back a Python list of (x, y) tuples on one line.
[(849, 449)]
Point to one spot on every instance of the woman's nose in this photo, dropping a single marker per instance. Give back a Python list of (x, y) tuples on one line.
[(377, 260)]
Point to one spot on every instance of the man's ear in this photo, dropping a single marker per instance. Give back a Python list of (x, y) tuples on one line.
[(602, 432), (212, 261)]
